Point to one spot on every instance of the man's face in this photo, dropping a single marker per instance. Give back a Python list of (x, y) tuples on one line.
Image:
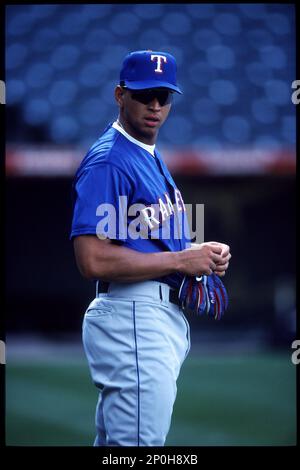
[(143, 112)]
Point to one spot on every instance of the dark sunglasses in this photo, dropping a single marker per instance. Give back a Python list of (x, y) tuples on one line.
[(163, 96)]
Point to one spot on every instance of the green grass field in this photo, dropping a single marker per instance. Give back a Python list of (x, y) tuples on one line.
[(228, 401)]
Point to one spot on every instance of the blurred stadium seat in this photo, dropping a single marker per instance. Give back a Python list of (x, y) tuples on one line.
[(236, 65)]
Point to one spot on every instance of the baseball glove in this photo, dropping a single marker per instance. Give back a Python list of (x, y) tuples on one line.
[(204, 295)]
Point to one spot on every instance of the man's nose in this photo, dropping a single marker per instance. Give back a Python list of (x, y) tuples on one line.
[(154, 104)]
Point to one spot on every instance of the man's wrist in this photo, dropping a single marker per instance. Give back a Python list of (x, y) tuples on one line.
[(176, 261), (169, 261)]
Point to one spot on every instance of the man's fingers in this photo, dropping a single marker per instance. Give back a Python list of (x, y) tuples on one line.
[(221, 267), (225, 249), (216, 249), (217, 258), (224, 261), (223, 245), (226, 257), (220, 273)]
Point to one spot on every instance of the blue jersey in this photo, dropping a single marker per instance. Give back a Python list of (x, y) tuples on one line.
[(124, 193)]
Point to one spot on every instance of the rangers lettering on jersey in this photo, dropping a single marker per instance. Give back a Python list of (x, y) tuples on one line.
[(165, 209), (151, 216)]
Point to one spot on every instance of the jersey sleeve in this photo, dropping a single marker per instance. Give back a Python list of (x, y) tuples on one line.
[(101, 195)]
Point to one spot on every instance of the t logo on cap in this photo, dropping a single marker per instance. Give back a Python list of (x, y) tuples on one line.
[(159, 58)]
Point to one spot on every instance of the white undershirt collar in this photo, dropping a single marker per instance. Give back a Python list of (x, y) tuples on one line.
[(149, 148)]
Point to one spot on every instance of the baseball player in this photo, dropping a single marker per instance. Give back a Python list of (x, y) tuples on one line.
[(131, 237)]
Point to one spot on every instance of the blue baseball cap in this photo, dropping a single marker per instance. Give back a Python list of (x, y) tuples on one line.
[(149, 69)]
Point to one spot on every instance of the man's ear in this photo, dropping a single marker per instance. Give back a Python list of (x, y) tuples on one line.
[(119, 92)]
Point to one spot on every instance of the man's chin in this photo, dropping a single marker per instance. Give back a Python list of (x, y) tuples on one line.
[(149, 132), (145, 134)]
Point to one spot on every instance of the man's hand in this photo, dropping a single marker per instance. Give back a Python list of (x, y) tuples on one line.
[(226, 255), (200, 259), (206, 258)]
